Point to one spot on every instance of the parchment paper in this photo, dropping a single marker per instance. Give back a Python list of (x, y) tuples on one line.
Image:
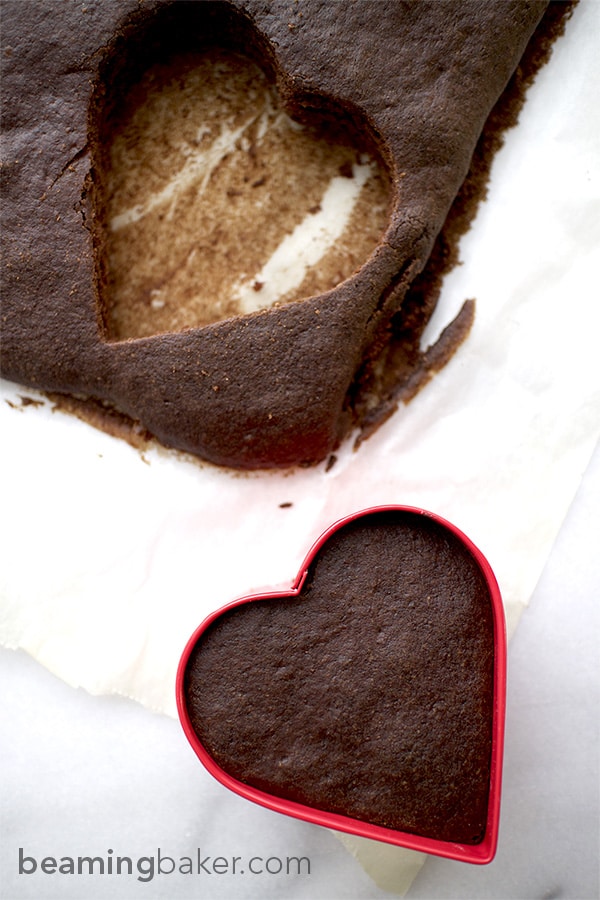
[(111, 558)]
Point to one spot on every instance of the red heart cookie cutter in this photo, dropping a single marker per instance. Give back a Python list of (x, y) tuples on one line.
[(481, 852)]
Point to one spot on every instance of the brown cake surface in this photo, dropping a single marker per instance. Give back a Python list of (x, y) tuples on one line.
[(371, 693), (408, 86)]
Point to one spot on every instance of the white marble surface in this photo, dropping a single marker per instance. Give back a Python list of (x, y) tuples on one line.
[(84, 774)]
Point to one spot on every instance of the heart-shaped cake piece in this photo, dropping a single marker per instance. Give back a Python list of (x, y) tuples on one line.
[(370, 696)]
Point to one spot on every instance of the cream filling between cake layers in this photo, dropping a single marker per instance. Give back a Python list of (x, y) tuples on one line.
[(306, 246), (219, 204)]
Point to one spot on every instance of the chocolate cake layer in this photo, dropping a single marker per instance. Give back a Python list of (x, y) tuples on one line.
[(410, 85), (370, 694)]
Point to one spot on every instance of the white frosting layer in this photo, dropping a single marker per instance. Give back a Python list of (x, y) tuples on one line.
[(306, 245), (197, 170)]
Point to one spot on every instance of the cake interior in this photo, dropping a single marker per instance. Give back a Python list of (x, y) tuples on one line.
[(216, 203)]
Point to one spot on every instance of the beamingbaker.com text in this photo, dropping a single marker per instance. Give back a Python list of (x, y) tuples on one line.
[(148, 867)]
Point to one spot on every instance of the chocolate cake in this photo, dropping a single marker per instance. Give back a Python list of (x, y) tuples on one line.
[(194, 343), (370, 693)]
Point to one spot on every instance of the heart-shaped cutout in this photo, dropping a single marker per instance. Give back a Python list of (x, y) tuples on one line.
[(217, 203), (368, 698)]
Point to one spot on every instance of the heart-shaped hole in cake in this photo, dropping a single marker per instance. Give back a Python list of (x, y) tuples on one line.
[(212, 201), (370, 696)]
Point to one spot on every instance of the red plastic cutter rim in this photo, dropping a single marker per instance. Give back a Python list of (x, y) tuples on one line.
[(481, 853)]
